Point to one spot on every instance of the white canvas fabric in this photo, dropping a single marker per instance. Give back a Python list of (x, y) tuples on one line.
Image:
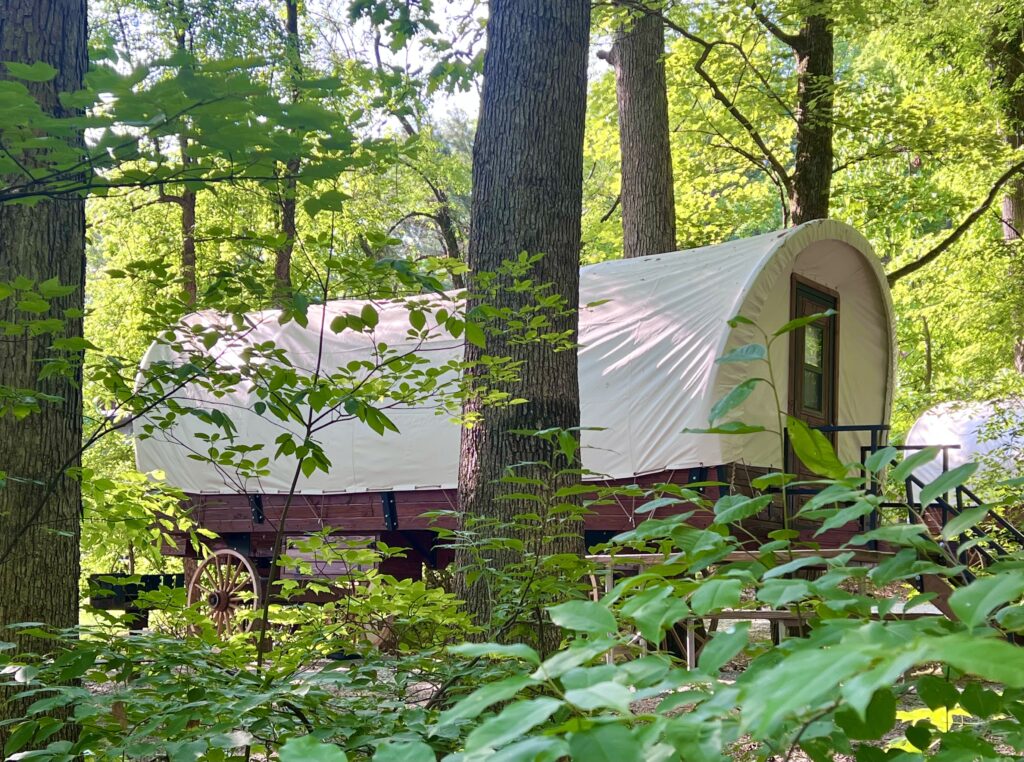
[(647, 369), (988, 433)]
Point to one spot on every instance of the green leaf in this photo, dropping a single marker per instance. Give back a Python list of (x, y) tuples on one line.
[(898, 534), (733, 399), (716, 595), (908, 465), (475, 334), (1011, 618), (803, 679), (844, 516), (483, 697), (780, 592), (792, 566), (879, 459), (920, 735), (654, 610), (583, 616), (800, 322), (814, 449), (974, 603), (39, 71), (723, 647), (515, 720), (404, 751), (74, 344), (536, 749), (980, 701), (22, 735), (732, 508), (989, 658), (774, 479), (606, 743), (369, 315), (746, 353), (580, 652), (879, 718), (496, 650), (946, 482), (33, 304), (937, 693), (959, 524), (52, 289), (661, 502), (310, 749), (606, 695)]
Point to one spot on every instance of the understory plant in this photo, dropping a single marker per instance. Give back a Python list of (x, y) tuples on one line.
[(868, 669)]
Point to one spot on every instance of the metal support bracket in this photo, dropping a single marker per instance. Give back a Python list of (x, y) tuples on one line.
[(256, 507), (390, 509)]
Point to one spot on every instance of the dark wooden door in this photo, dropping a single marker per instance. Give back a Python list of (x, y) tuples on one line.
[(814, 363), (813, 376)]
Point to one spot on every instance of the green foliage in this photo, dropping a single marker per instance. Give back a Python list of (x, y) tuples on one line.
[(917, 143)]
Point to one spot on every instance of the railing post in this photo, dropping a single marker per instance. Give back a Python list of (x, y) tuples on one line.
[(945, 495)]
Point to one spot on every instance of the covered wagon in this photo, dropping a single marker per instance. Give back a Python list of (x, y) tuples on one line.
[(648, 374), (990, 434)]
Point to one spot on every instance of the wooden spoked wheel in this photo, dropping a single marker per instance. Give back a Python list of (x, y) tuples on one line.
[(226, 586)]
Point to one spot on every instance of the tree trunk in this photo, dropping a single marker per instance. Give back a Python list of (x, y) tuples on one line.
[(188, 233), (812, 174), (187, 199), (527, 197), (40, 504), (647, 192), (283, 259)]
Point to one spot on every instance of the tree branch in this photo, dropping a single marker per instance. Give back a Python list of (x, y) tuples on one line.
[(792, 40), (719, 95), (960, 229), (607, 215)]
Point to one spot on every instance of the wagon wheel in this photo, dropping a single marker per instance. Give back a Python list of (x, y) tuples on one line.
[(227, 583)]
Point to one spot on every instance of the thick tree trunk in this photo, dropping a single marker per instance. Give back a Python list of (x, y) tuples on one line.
[(40, 504), (527, 197), (812, 174), (283, 258), (648, 195)]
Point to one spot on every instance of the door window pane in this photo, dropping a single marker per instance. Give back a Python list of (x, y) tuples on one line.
[(813, 346), (812, 390)]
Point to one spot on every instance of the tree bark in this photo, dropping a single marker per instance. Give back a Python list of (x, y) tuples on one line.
[(188, 232), (283, 258), (648, 195), (812, 173), (40, 503), (527, 197), (187, 199)]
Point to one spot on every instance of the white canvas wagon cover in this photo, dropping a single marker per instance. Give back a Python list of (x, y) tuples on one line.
[(988, 433), (647, 370)]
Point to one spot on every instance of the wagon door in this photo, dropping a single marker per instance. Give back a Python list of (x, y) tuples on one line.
[(814, 360)]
